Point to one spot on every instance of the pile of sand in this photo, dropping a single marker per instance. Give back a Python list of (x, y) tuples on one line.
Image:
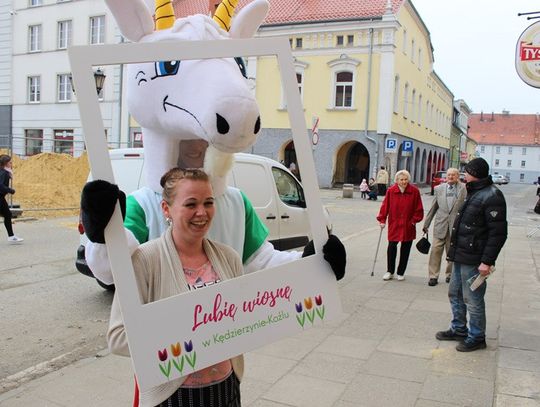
[(49, 181)]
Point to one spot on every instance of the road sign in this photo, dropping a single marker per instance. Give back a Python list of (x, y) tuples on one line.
[(407, 148), (390, 146)]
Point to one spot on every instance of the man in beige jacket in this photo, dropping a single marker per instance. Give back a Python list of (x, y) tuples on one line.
[(382, 181), (448, 199)]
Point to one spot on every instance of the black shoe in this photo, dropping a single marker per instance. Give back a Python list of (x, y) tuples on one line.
[(449, 335), (447, 279), (470, 346), (432, 282)]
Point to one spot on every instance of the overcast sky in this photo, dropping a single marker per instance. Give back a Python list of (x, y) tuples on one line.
[(474, 45)]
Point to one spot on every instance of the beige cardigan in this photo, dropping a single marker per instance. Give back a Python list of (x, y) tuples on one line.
[(158, 272)]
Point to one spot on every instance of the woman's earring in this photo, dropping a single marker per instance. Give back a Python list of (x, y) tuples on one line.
[(169, 221)]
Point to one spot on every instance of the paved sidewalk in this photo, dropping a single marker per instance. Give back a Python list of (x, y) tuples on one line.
[(382, 352)]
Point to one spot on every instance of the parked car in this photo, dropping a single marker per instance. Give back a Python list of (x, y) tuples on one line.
[(440, 176), (275, 193), (499, 179)]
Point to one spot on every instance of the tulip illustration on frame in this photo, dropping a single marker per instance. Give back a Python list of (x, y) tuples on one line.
[(320, 307), (190, 358), (176, 350), (165, 367), (301, 316)]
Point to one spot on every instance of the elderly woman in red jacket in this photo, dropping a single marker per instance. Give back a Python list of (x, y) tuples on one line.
[(402, 206)]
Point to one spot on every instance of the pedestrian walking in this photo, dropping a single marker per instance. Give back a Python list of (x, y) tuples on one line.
[(402, 206), (382, 181), (478, 235), (448, 199), (364, 189), (6, 174)]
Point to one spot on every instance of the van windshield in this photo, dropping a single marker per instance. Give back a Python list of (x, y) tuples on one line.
[(289, 191)]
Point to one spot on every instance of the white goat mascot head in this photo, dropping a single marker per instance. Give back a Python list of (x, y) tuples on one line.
[(194, 99)]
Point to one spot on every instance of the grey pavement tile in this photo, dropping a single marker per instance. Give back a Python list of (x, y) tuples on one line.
[(288, 348), (416, 347), (342, 403), (316, 334), (347, 346), (512, 401), (386, 304), (472, 392), (397, 366), (375, 391), (433, 403), (304, 391), (364, 330), (420, 304), (266, 368), (328, 366), (251, 389), (27, 401), (519, 359), (266, 403), (480, 364), (518, 383), (511, 338)]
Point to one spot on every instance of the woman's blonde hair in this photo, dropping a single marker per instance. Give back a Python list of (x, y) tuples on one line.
[(402, 172), (170, 179)]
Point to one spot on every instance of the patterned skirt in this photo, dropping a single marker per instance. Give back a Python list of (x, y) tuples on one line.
[(223, 394)]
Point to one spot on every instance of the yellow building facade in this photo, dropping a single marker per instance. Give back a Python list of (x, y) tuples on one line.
[(369, 85)]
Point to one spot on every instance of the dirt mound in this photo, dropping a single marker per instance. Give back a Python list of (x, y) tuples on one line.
[(49, 181)]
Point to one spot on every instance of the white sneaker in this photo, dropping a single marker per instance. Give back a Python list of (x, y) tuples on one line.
[(400, 278), (14, 239), (388, 276)]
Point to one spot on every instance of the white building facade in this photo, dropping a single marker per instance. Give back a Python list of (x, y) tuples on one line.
[(517, 162)]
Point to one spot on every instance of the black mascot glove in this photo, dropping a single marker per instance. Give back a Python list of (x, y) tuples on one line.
[(334, 253), (98, 200)]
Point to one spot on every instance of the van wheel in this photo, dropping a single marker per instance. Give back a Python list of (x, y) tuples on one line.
[(105, 286)]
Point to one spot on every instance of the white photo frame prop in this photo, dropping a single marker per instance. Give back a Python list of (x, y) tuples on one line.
[(169, 338)]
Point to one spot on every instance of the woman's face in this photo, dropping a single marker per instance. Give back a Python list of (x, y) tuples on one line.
[(192, 153), (403, 181), (192, 209)]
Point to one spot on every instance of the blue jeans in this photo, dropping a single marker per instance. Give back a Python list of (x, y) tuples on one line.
[(463, 300)]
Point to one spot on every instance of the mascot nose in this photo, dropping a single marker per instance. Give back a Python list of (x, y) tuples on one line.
[(223, 126)]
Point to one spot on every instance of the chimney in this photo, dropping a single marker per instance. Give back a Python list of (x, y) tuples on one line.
[(506, 112), (481, 115), (492, 116)]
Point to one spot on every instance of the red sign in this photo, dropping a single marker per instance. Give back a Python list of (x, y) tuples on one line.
[(529, 52), (528, 55)]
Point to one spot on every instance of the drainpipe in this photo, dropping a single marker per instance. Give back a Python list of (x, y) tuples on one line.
[(368, 101)]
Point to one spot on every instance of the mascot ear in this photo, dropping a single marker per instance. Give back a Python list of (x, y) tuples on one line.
[(133, 18), (248, 20)]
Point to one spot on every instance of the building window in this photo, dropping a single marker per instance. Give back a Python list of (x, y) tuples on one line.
[(521, 177), (136, 139), (509, 163), (497, 162), (510, 150), (34, 89), (426, 121), (406, 100), (64, 88), (497, 150), (412, 50), (299, 42), (339, 41), (419, 109), (396, 94), (419, 58), (290, 42), (34, 38), (413, 105), (344, 86), (524, 151), (34, 3), (34, 141), (523, 164), (97, 30), (63, 141), (64, 34), (482, 149), (300, 80), (350, 40), (404, 48)]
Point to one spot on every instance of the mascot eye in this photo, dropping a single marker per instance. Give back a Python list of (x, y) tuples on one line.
[(241, 66), (166, 68)]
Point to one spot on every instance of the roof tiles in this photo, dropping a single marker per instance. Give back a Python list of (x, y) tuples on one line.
[(505, 129)]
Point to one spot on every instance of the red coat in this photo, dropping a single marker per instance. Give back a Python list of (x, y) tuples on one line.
[(403, 210)]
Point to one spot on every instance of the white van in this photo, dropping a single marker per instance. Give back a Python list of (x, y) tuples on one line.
[(276, 195)]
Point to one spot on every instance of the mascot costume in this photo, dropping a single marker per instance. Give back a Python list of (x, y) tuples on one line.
[(189, 111), (185, 108)]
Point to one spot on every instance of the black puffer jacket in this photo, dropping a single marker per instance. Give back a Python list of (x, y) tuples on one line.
[(5, 176), (480, 228)]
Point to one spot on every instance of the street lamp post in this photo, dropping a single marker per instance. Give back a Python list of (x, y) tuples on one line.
[(99, 78)]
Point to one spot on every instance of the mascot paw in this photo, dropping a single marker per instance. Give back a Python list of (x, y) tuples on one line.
[(334, 253), (98, 200)]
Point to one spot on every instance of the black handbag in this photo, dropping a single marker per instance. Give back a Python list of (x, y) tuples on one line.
[(423, 244)]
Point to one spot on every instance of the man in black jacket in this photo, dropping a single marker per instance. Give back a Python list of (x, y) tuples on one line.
[(478, 235)]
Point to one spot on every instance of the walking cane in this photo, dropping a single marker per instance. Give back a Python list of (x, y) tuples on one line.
[(376, 252)]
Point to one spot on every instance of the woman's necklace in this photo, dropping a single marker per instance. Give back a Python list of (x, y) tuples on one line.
[(195, 271)]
